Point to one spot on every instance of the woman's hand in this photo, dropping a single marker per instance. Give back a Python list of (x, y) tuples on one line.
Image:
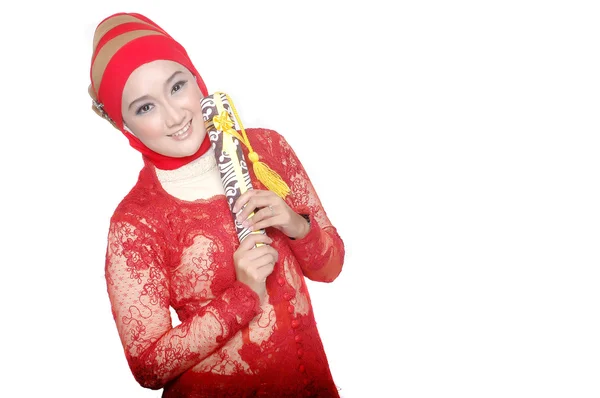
[(269, 211), (253, 264)]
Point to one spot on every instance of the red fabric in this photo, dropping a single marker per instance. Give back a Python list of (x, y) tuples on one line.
[(164, 252), (127, 59), (119, 30)]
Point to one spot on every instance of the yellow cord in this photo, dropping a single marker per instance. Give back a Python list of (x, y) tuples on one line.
[(269, 177)]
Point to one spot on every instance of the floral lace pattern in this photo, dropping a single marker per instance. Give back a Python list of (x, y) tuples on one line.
[(166, 252)]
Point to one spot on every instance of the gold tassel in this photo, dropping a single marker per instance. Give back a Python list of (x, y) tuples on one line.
[(269, 177)]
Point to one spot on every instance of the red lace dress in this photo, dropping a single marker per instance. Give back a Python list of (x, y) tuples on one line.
[(163, 251)]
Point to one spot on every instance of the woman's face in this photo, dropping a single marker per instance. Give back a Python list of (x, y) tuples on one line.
[(161, 107)]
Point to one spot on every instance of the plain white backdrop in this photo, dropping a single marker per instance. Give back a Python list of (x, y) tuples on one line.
[(455, 146)]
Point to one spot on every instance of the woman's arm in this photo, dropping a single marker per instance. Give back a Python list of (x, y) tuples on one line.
[(321, 252), (138, 288)]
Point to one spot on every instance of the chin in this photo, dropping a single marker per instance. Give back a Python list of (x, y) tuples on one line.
[(188, 151)]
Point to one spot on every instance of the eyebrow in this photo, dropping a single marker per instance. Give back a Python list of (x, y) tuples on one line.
[(145, 97)]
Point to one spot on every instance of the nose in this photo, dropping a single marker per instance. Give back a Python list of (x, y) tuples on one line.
[(174, 114)]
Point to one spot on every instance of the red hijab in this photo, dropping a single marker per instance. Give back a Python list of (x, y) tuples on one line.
[(122, 43)]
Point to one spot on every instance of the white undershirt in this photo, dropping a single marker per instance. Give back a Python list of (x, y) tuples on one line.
[(199, 179)]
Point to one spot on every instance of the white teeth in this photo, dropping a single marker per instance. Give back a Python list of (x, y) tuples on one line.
[(183, 130)]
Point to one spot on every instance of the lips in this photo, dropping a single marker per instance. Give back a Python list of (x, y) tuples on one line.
[(182, 133)]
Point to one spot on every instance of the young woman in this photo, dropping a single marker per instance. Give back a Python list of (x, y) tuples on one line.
[(247, 326)]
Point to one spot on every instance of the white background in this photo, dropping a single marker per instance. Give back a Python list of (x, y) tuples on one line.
[(454, 145)]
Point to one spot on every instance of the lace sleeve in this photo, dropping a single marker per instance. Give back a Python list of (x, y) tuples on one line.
[(321, 252), (138, 288)]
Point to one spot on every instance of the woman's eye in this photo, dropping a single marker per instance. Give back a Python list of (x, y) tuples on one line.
[(143, 109), (178, 86)]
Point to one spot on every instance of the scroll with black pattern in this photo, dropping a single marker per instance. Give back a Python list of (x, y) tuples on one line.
[(221, 125)]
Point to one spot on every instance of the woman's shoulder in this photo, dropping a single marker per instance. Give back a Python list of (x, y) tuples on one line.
[(261, 133), (141, 202), (264, 139)]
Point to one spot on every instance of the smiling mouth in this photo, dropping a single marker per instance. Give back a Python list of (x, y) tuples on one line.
[(182, 131)]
